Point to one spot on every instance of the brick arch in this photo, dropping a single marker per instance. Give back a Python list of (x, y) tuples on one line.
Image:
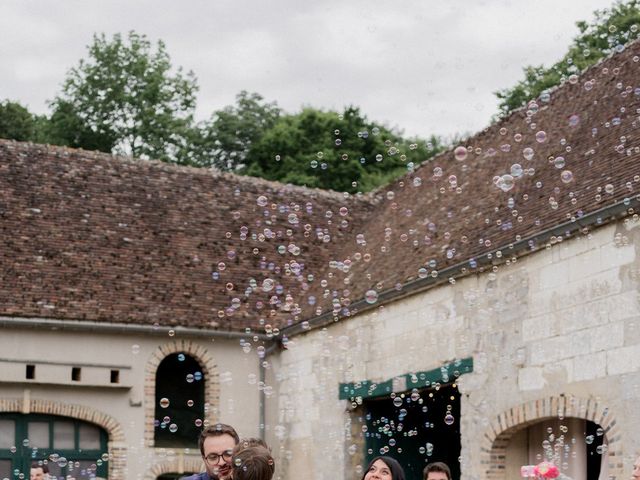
[(178, 464), (209, 372), (116, 444), (497, 437)]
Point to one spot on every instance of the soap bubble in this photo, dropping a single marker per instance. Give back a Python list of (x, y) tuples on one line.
[(460, 153), (262, 201), (566, 176), (527, 153), (516, 170), (164, 402), (371, 296), (541, 136), (559, 162)]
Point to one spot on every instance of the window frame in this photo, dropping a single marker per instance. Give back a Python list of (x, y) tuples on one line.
[(22, 458)]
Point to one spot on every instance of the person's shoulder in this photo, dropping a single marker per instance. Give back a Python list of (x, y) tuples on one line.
[(197, 476)]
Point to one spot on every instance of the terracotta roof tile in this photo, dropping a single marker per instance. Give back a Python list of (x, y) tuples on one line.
[(91, 236)]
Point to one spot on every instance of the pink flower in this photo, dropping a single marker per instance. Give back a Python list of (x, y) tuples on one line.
[(546, 470)]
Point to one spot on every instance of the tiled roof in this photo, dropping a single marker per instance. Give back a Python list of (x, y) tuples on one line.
[(88, 236), (578, 150), (94, 237)]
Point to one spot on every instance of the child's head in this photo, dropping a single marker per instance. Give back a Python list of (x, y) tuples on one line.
[(252, 463)]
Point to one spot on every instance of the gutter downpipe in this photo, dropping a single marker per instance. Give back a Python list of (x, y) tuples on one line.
[(263, 398), (600, 217)]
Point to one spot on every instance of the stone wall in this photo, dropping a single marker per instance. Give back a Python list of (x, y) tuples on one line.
[(555, 331), (126, 410)]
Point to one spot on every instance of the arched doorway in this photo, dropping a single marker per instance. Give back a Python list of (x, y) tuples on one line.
[(505, 444), (577, 446), (179, 405)]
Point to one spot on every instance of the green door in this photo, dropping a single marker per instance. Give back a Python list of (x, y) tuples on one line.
[(67, 446)]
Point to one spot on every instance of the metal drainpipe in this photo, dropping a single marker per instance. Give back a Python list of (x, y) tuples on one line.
[(263, 407)]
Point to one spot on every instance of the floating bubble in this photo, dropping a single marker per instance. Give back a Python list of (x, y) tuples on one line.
[(189, 378), (559, 162), (181, 357), (505, 182), (609, 188), (574, 120), (267, 285), (173, 428), (344, 211), (397, 402), (62, 462), (437, 172), (135, 349), (417, 182), (371, 296), (378, 157), (541, 136), (448, 419), (198, 422), (516, 170), (190, 403), (460, 153), (566, 176), (262, 201), (527, 153)]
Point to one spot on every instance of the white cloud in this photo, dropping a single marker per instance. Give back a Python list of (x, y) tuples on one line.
[(426, 67)]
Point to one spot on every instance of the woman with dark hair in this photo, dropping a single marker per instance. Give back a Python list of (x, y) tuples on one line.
[(384, 468)]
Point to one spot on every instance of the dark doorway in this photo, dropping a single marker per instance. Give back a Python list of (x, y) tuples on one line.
[(179, 410), (416, 428)]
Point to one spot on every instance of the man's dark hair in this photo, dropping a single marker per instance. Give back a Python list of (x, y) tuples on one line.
[(436, 467), (43, 466), (253, 463), (216, 430)]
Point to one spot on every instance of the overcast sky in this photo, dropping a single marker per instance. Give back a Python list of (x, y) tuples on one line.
[(423, 66)]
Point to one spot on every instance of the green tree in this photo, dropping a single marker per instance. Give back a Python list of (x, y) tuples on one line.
[(330, 150), (17, 123), (611, 29), (124, 98), (232, 131)]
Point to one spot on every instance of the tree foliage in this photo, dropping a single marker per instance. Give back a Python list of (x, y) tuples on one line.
[(232, 131), (324, 149), (125, 99), (611, 29), (16, 122)]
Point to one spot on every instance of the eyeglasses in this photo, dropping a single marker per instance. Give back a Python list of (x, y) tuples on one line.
[(214, 458)]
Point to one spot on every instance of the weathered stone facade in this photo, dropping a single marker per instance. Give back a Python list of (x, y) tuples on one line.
[(555, 334)]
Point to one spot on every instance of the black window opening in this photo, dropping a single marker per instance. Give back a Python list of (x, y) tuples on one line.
[(416, 428), (70, 448), (179, 408)]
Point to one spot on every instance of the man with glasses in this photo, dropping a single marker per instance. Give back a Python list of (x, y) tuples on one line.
[(216, 444)]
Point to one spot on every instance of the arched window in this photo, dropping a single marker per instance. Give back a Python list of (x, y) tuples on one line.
[(68, 446), (577, 446), (179, 401)]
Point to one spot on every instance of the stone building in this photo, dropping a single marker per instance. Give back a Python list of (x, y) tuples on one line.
[(481, 310)]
